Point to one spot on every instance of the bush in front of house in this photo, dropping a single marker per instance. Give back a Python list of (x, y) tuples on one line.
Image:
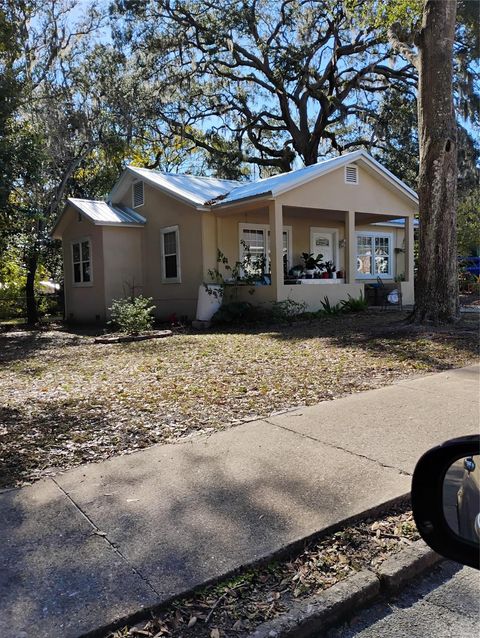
[(238, 313), (288, 310), (353, 304), (132, 315)]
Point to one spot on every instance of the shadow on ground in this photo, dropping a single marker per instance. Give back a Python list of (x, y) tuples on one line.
[(157, 537)]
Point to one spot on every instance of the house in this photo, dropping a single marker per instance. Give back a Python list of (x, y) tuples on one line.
[(158, 235)]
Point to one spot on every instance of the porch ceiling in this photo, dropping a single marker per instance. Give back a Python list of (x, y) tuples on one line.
[(336, 215), (370, 218)]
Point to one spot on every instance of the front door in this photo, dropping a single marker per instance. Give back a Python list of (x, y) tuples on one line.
[(323, 243)]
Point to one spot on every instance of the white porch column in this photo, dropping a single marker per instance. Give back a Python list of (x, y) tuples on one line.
[(275, 215), (409, 241), (350, 248)]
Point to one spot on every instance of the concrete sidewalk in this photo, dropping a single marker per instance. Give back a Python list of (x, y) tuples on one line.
[(103, 541)]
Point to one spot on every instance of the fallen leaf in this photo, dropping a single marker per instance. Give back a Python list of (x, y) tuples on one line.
[(215, 633), (192, 621)]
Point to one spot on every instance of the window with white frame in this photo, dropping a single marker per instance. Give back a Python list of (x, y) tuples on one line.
[(374, 255), (137, 194), (170, 250), (255, 239), (82, 261)]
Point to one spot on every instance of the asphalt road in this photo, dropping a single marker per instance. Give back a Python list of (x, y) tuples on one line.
[(445, 604)]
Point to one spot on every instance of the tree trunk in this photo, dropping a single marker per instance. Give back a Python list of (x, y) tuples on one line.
[(436, 291), (32, 312)]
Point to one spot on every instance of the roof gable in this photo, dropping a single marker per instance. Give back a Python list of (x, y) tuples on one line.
[(191, 189), (280, 184), (210, 192)]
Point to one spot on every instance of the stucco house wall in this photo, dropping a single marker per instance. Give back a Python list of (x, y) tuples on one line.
[(208, 213), (123, 262), (162, 211), (83, 302), (370, 195)]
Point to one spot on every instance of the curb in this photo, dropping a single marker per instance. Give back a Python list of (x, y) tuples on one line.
[(309, 617)]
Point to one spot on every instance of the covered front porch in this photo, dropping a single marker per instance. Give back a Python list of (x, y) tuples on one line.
[(362, 245)]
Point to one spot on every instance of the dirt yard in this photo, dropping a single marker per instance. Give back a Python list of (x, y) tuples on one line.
[(66, 400)]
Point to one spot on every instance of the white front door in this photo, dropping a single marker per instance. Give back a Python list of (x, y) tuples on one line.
[(323, 242)]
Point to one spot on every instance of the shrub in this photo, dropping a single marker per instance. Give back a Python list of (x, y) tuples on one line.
[(328, 309), (238, 312), (287, 310), (133, 314), (354, 305)]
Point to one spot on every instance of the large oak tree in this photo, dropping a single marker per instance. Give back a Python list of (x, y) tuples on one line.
[(262, 81)]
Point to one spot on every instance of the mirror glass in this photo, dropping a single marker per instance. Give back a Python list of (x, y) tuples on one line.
[(461, 498)]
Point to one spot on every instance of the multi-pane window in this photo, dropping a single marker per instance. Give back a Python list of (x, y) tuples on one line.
[(170, 254), (374, 255), (82, 261), (256, 237)]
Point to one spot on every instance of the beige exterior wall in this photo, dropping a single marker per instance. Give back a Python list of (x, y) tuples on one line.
[(301, 228), (122, 250), (125, 256), (370, 195), (84, 303), (162, 211)]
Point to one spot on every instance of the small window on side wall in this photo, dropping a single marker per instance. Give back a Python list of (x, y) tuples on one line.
[(82, 262), (137, 194), (170, 252)]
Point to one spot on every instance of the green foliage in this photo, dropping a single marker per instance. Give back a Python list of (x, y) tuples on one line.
[(328, 309), (287, 310), (133, 314), (468, 224), (354, 305), (13, 276), (311, 262), (246, 272), (238, 313)]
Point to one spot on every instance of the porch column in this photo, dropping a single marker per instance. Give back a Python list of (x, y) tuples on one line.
[(350, 248), (275, 217), (409, 242)]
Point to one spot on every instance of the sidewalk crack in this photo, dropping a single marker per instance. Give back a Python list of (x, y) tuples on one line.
[(98, 532), (342, 449)]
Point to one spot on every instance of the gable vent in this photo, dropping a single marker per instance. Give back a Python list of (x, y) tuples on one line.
[(351, 175), (137, 194)]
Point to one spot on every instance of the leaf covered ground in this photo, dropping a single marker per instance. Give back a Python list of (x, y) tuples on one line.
[(236, 606), (65, 400)]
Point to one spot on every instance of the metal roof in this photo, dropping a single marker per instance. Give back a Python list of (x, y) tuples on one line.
[(105, 214), (212, 192), (278, 184), (192, 188)]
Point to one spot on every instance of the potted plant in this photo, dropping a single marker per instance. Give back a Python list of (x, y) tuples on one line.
[(330, 268), (312, 264)]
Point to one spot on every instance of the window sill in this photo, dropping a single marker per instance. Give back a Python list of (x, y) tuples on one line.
[(87, 284)]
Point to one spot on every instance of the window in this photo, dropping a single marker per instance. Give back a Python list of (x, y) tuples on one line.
[(82, 262), (257, 238), (351, 175), (374, 255), (170, 249), (137, 194)]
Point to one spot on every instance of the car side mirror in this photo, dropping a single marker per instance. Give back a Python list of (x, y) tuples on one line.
[(446, 499)]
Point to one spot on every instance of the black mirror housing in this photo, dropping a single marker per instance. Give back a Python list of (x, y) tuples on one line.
[(428, 504)]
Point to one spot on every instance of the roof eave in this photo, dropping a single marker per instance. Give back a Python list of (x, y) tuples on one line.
[(242, 200), (118, 224)]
